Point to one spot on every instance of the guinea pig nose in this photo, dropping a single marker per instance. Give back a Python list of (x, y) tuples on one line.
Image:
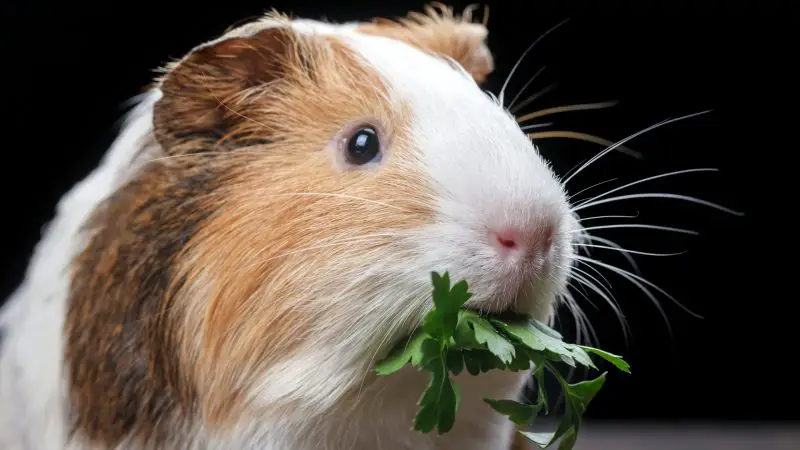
[(505, 238), (536, 240)]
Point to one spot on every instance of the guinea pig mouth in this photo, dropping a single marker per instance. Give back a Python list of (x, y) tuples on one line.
[(494, 309), (505, 314), (510, 300)]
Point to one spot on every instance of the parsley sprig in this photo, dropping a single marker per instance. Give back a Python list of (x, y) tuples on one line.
[(453, 339)]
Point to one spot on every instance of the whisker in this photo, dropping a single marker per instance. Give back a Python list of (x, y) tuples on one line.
[(573, 168), (527, 50), (663, 175), (633, 136), (611, 301), (590, 187), (634, 277), (582, 282), (646, 291), (531, 98), (606, 217), (357, 240), (556, 320), (659, 195), (345, 196), (535, 125), (582, 327), (580, 317), (639, 225), (606, 287), (580, 289), (525, 86), (565, 108), (584, 137), (625, 250), (625, 254)]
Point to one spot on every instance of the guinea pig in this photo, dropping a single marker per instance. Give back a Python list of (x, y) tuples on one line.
[(262, 231)]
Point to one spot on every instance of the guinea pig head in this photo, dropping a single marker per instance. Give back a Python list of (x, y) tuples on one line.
[(313, 176)]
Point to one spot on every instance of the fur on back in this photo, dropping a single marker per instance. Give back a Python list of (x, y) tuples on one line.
[(32, 388)]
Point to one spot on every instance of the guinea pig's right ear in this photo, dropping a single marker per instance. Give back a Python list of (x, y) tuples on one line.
[(204, 95)]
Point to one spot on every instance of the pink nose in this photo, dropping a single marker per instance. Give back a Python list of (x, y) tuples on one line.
[(537, 240), (506, 238)]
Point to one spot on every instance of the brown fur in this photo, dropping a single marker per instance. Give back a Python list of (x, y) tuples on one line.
[(441, 32), (121, 328)]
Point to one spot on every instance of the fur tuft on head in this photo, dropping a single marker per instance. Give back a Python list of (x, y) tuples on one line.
[(442, 32)]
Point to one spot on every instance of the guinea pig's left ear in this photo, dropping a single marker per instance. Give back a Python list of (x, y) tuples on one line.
[(205, 95), (440, 31)]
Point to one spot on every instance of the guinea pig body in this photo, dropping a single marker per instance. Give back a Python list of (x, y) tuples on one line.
[(263, 231)]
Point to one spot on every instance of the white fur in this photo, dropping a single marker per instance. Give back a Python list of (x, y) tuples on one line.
[(486, 172)]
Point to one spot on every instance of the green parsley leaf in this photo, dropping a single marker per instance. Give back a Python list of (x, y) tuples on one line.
[(455, 361), (403, 354), (486, 334), (542, 440), (539, 337), (616, 360), (519, 413), (453, 339), (442, 320), (578, 396)]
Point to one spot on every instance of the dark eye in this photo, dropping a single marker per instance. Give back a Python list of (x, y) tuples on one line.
[(363, 146)]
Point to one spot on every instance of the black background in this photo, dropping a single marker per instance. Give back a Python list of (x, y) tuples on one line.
[(67, 70)]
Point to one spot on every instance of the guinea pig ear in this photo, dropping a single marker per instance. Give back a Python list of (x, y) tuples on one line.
[(204, 95), (442, 32)]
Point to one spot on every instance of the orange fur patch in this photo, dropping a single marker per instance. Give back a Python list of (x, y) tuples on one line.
[(289, 213), (441, 32), (209, 253)]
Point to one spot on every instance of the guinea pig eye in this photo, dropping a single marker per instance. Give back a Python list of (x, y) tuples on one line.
[(363, 146)]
